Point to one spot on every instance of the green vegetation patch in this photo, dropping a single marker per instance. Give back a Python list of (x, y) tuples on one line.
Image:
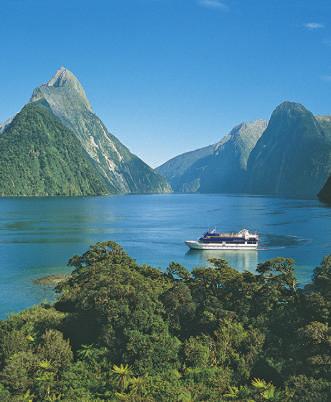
[(120, 331), (39, 156)]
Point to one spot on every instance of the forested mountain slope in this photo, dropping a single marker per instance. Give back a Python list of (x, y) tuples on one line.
[(40, 156), (125, 172)]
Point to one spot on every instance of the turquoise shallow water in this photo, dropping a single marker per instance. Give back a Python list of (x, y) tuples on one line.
[(39, 235)]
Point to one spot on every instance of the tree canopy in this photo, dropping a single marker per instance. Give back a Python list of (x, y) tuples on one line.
[(123, 331)]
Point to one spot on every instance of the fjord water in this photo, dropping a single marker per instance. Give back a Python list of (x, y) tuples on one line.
[(39, 235)]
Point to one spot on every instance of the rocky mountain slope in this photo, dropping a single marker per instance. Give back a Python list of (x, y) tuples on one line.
[(289, 156), (226, 170), (179, 172), (217, 168), (125, 172), (325, 194), (293, 157), (4, 124), (39, 156)]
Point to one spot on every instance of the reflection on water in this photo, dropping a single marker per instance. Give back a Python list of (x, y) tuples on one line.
[(242, 260)]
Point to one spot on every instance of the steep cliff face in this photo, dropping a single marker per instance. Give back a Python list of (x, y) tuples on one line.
[(325, 194), (226, 170), (179, 172), (292, 157), (218, 168), (125, 172), (39, 156)]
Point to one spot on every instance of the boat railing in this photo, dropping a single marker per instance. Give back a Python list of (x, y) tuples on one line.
[(233, 234)]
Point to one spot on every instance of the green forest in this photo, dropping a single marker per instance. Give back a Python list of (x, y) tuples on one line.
[(120, 331), (39, 156)]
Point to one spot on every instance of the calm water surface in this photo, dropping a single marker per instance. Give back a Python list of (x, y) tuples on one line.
[(39, 235)]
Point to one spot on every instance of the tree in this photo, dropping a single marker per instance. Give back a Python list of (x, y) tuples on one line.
[(122, 374), (308, 389), (237, 348), (171, 336), (56, 350), (180, 309), (19, 372), (197, 352)]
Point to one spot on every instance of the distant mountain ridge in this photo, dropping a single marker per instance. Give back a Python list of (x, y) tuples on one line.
[(178, 169), (218, 168), (115, 168), (288, 156), (325, 193), (226, 170)]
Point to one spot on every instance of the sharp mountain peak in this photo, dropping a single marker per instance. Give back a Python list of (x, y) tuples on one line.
[(287, 106), (65, 83), (61, 77), (253, 124)]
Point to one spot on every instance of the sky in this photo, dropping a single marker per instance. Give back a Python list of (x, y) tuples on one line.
[(169, 76)]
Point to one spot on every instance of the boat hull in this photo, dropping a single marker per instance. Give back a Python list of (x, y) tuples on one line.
[(196, 245)]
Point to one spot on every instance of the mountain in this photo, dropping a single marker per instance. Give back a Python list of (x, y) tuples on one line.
[(292, 158), (179, 169), (217, 168), (325, 123), (226, 170), (40, 156), (325, 194), (124, 172), (4, 124)]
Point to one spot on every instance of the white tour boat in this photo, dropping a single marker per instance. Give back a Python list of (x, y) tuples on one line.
[(212, 240)]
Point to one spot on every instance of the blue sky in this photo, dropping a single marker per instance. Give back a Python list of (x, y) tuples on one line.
[(168, 76)]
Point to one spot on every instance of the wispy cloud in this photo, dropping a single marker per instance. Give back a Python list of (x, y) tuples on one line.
[(312, 26), (216, 4), (326, 78)]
